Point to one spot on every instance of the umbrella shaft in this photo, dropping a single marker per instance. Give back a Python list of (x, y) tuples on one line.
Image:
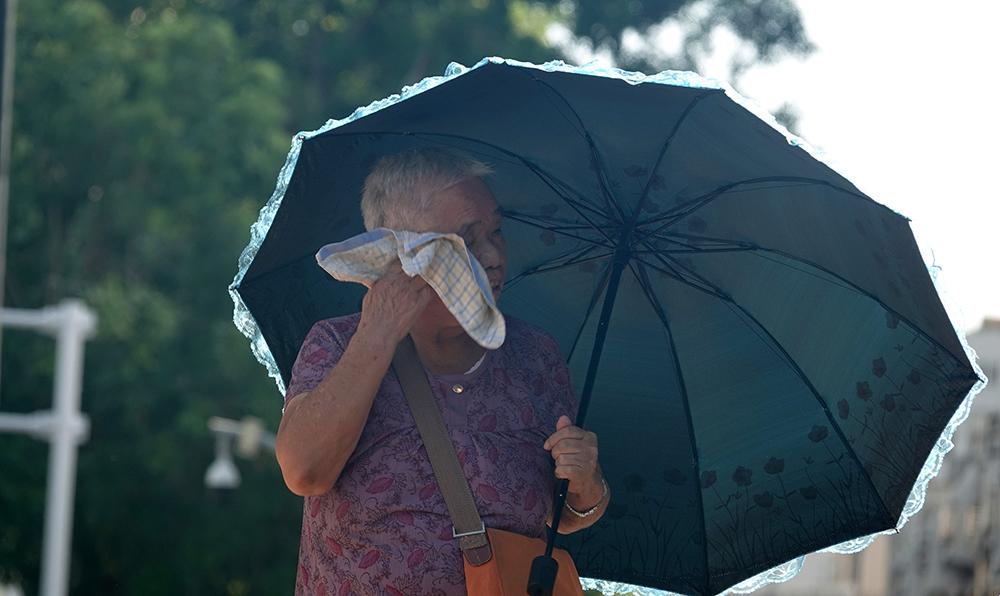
[(622, 255), (562, 488)]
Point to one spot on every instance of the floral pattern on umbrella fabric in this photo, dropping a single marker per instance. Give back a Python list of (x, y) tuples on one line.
[(908, 388)]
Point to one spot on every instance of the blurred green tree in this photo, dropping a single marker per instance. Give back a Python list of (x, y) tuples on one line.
[(141, 149), (146, 137), (338, 54)]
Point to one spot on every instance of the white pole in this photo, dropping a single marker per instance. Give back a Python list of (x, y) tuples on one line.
[(78, 324), (8, 21), (71, 322)]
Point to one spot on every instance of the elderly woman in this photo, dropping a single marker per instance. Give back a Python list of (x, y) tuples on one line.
[(374, 520)]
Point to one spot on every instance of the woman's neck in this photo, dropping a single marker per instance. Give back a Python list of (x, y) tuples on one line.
[(446, 351)]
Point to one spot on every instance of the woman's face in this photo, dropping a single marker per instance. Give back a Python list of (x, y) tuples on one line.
[(469, 210)]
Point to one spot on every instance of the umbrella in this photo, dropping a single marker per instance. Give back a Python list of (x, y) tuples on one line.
[(756, 342)]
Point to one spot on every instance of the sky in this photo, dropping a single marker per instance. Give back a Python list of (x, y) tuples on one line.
[(899, 98)]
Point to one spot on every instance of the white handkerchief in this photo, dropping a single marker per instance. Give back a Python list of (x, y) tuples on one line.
[(441, 259)]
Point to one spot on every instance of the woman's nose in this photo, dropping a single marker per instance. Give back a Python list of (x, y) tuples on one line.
[(490, 255)]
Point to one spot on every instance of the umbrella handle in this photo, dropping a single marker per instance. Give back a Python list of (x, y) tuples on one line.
[(558, 504), (543, 576), (544, 568)]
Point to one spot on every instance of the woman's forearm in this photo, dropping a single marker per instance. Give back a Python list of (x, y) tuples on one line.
[(320, 429)]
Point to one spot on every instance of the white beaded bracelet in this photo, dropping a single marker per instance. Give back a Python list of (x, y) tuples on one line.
[(593, 509)]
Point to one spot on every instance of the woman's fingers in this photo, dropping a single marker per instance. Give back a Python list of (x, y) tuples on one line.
[(574, 471), (395, 300), (570, 446), (575, 459), (569, 432), (575, 454)]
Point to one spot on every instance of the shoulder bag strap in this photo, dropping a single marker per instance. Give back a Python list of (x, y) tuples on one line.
[(467, 526)]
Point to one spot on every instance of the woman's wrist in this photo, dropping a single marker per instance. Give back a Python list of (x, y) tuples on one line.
[(586, 505), (378, 336)]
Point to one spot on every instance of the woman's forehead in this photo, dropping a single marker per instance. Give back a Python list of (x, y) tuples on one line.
[(464, 205)]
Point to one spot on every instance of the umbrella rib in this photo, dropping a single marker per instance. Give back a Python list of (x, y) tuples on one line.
[(702, 246), (699, 240), (670, 272), (774, 187), (578, 124), (581, 203), (666, 145), (602, 176), (644, 282), (689, 207), (555, 223), (728, 300), (846, 284), (535, 168), (725, 188), (527, 220), (590, 309), (672, 239), (861, 290), (569, 227), (575, 259), (679, 251), (544, 176)]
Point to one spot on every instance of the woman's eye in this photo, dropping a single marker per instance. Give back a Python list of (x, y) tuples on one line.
[(498, 232)]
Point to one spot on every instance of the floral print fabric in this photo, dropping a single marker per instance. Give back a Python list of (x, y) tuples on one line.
[(384, 527)]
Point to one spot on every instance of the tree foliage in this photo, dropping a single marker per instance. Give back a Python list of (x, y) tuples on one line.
[(768, 28), (146, 137)]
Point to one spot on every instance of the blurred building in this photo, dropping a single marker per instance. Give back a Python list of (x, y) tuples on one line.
[(952, 546), (865, 574)]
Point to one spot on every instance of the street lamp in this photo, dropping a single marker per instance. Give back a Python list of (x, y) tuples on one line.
[(223, 473), (249, 437)]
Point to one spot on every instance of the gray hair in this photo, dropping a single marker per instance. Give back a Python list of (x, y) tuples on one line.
[(401, 186)]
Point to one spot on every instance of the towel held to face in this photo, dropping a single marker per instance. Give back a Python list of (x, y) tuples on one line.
[(441, 259)]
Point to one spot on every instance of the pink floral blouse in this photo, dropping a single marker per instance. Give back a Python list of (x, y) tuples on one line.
[(384, 527)]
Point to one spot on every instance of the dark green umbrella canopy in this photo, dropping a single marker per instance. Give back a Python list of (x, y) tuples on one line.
[(756, 342)]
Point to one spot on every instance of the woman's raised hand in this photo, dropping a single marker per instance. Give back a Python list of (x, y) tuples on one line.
[(393, 303), (574, 452)]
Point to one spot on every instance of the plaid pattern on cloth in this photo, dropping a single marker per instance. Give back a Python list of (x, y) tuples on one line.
[(441, 259)]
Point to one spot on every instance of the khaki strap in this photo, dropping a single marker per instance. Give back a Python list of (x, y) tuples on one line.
[(467, 525)]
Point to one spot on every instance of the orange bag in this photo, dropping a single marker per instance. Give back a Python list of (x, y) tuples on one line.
[(506, 572)]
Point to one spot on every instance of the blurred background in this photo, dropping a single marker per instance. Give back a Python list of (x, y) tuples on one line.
[(145, 138)]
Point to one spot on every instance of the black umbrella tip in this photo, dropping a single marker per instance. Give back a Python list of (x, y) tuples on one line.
[(543, 576)]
